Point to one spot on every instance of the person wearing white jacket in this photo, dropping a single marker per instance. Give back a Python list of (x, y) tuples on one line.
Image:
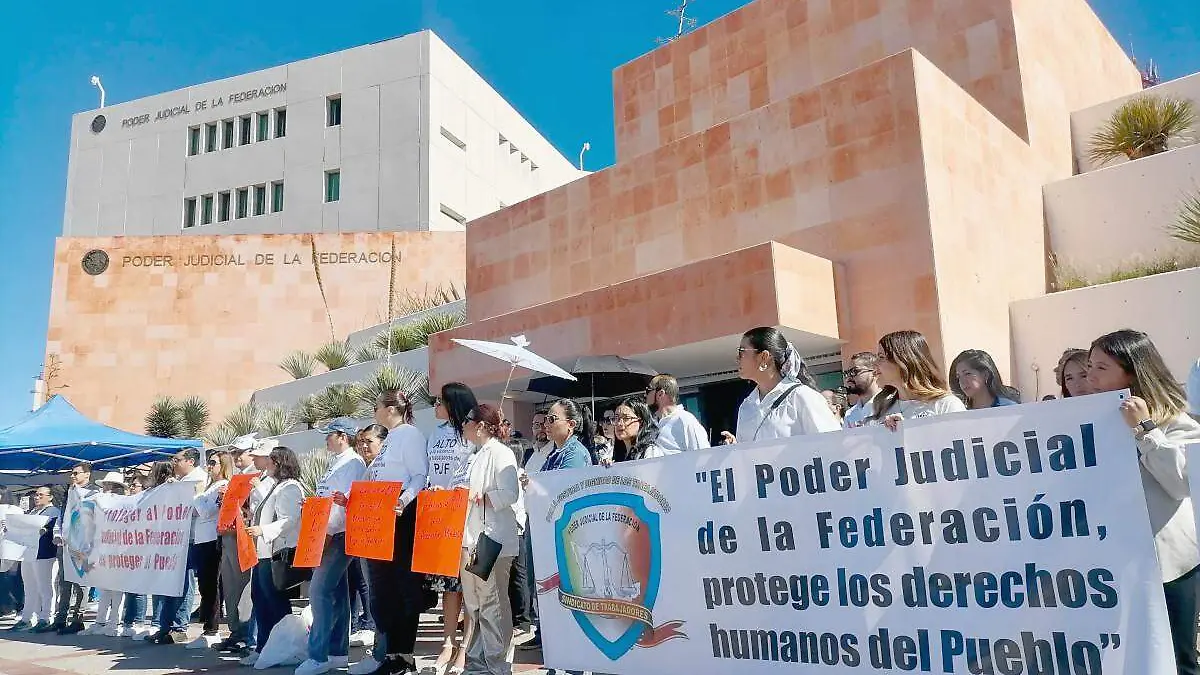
[(494, 491), (275, 526)]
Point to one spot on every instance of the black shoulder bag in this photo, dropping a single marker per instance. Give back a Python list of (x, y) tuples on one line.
[(283, 574)]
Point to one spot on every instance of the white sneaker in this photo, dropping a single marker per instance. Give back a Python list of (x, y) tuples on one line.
[(113, 630), (362, 638), (204, 642), (249, 659), (311, 667), (338, 661), (365, 667), (138, 631)]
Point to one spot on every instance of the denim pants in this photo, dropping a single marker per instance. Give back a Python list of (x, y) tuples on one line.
[(135, 609), (270, 605), (174, 613), (1182, 611), (360, 597), (329, 596)]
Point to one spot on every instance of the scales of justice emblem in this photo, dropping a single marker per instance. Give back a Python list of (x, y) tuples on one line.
[(609, 557)]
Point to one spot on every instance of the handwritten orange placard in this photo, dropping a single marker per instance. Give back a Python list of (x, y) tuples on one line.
[(441, 517), (371, 519), (236, 494), (247, 552), (314, 519)]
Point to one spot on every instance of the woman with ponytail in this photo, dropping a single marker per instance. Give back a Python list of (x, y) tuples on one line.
[(785, 401)]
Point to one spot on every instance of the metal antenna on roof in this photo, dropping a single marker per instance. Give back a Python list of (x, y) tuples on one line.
[(684, 24)]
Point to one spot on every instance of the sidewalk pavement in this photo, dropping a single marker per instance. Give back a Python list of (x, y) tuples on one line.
[(23, 653)]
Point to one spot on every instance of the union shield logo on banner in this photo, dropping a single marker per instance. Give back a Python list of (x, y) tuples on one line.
[(609, 556)]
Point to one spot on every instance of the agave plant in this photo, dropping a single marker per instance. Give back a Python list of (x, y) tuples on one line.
[(275, 420), (165, 419), (1187, 223), (195, 415), (299, 364), (313, 465), (334, 355), (220, 435), (308, 411), (397, 339), (415, 386), (244, 419), (341, 400), (369, 352), (411, 302), (436, 323), (1142, 127)]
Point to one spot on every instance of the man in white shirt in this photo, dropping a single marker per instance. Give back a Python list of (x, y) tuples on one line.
[(68, 615), (678, 429), (329, 592), (862, 380)]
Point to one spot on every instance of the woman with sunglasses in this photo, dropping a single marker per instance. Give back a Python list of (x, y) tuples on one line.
[(635, 429), (913, 384), (449, 452), (206, 547)]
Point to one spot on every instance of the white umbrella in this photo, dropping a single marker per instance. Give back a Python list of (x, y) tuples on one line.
[(517, 356)]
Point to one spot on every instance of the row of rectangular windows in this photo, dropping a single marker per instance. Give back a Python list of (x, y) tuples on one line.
[(251, 128), (236, 204)]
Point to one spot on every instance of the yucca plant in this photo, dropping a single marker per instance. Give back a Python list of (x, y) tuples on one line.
[(195, 415), (411, 302), (299, 364), (244, 419), (313, 466), (340, 400), (165, 419), (334, 355), (308, 411), (219, 435), (415, 386), (1187, 223), (435, 323), (397, 339), (369, 352), (275, 420), (1142, 127)]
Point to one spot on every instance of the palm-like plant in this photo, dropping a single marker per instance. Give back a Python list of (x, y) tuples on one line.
[(220, 435), (411, 302), (195, 415), (299, 364), (368, 353), (436, 323), (275, 420), (1187, 223), (308, 411), (244, 419), (313, 465), (334, 355), (164, 420), (397, 339), (1142, 127), (341, 400), (415, 386)]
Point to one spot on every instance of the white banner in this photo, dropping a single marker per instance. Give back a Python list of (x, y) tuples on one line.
[(21, 531), (135, 544), (1009, 540)]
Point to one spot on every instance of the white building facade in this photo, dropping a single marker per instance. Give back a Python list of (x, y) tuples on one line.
[(396, 135)]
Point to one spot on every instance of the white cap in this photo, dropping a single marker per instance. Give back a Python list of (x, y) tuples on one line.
[(114, 477), (245, 442), (264, 447)]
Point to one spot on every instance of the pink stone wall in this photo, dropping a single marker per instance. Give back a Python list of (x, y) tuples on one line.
[(148, 326)]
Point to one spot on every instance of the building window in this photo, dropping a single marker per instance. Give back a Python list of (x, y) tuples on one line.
[(206, 209), (227, 136), (210, 138), (189, 212), (280, 123), (333, 186), (453, 215), (453, 139), (193, 141), (223, 206), (260, 199), (264, 126), (243, 202), (244, 136), (276, 197), (334, 116)]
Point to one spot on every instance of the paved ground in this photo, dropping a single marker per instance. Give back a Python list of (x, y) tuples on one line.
[(23, 653)]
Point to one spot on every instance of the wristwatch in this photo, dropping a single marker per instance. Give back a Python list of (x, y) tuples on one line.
[(1144, 427)]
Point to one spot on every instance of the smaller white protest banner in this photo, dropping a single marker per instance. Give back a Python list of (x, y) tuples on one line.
[(20, 532), (135, 544)]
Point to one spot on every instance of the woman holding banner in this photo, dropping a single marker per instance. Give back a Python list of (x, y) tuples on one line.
[(1156, 412), (396, 591), (489, 544), (785, 401), (913, 385), (275, 526), (449, 452)]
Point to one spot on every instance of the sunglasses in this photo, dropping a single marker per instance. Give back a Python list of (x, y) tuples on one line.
[(854, 372), (213, 462), (551, 419), (437, 400)]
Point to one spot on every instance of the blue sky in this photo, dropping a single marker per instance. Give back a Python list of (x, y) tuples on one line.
[(552, 60)]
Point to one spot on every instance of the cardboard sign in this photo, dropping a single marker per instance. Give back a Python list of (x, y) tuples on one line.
[(247, 551), (371, 519), (314, 518), (441, 517), (236, 494)]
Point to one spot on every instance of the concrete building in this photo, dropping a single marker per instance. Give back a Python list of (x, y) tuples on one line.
[(839, 170), (210, 231)]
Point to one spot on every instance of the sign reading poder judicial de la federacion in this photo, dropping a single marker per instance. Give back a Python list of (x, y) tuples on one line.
[(232, 98)]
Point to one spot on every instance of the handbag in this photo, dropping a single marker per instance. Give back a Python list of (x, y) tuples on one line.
[(484, 556), (283, 574)]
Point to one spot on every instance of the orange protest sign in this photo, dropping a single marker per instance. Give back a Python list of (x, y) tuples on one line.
[(247, 552), (441, 516), (314, 519), (371, 519), (231, 503)]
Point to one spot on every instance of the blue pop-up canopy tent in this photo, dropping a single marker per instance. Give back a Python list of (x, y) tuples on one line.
[(56, 436)]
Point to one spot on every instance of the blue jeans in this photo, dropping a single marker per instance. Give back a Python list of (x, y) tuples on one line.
[(135, 609), (174, 613), (329, 597), (270, 605)]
